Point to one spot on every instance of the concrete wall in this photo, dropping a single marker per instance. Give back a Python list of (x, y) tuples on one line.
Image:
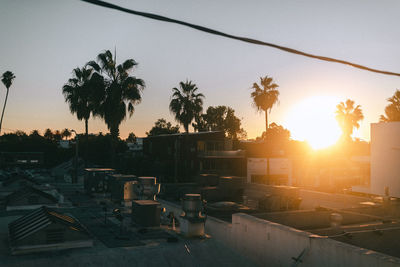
[(273, 244), (385, 158)]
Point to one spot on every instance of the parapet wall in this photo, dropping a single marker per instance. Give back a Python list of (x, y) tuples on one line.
[(272, 244)]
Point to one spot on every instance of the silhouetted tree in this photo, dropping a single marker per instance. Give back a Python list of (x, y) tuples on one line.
[(186, 103), (121, 92), (265, 96), (392, 111), (220, 118), (20, 133), (276, 134), (200, 123), (66, 133), (348, 116), (7, 80), (57, 136), (83, 92), (20, 141), (34, 133), (48, 134), (161, 126), (131, 138)]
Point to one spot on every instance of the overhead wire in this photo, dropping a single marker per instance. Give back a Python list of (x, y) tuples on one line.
[(243, 39)]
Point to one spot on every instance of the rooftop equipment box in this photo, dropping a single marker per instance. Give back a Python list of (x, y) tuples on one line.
[(146, 213), (121, 186), (97, 180)]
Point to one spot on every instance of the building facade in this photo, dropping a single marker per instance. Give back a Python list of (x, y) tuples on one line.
[(182, 156)]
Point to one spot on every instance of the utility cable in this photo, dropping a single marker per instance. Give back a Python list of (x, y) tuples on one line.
[(243, 39)]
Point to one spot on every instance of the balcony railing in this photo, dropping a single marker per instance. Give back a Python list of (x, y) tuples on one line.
[(222, 154)]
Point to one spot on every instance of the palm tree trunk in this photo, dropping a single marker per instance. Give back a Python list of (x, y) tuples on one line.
[(266, 129), (86, 129), (114, 131), (86, 141), (4, 107)]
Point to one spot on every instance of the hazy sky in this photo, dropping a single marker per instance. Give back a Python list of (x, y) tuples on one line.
[(42, 41)]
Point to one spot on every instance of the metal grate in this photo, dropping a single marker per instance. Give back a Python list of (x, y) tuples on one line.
[(55, 236)]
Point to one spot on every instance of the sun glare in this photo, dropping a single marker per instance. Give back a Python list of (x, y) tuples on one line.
[(313, 120)]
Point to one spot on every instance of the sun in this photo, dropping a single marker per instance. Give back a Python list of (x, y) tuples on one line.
[(313, 120)]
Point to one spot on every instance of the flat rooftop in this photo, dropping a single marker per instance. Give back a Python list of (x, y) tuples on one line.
[(376, 228), (153, 250)]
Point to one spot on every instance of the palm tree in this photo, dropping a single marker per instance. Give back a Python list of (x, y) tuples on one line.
[(348, 116), (66, 133), (131, 138), (7, 80), (121, 91), (82, 92), (186, 103), (265, 96), (392, 110)]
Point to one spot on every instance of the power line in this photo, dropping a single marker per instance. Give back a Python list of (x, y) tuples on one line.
[(243, 39)]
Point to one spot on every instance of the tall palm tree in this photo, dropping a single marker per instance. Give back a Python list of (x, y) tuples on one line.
[(81, 93), (186, 103), (265, 96), (348, 116), (392, 111), (7, 80), (121, 90)]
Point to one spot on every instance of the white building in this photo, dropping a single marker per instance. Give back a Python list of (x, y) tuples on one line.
[(279, 168), (385, 158)]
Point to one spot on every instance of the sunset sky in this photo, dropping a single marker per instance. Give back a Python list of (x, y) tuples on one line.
[(43, 40)]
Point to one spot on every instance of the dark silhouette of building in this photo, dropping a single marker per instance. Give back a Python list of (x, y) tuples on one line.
[(21, 159), (182, 156)]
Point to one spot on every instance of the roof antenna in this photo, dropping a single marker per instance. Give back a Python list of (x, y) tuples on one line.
[(115, 55)]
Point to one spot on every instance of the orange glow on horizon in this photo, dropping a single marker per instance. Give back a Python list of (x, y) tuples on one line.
[(313, 120)]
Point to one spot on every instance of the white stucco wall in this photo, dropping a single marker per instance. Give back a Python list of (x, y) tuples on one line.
[(277, 166), (385, 158)]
